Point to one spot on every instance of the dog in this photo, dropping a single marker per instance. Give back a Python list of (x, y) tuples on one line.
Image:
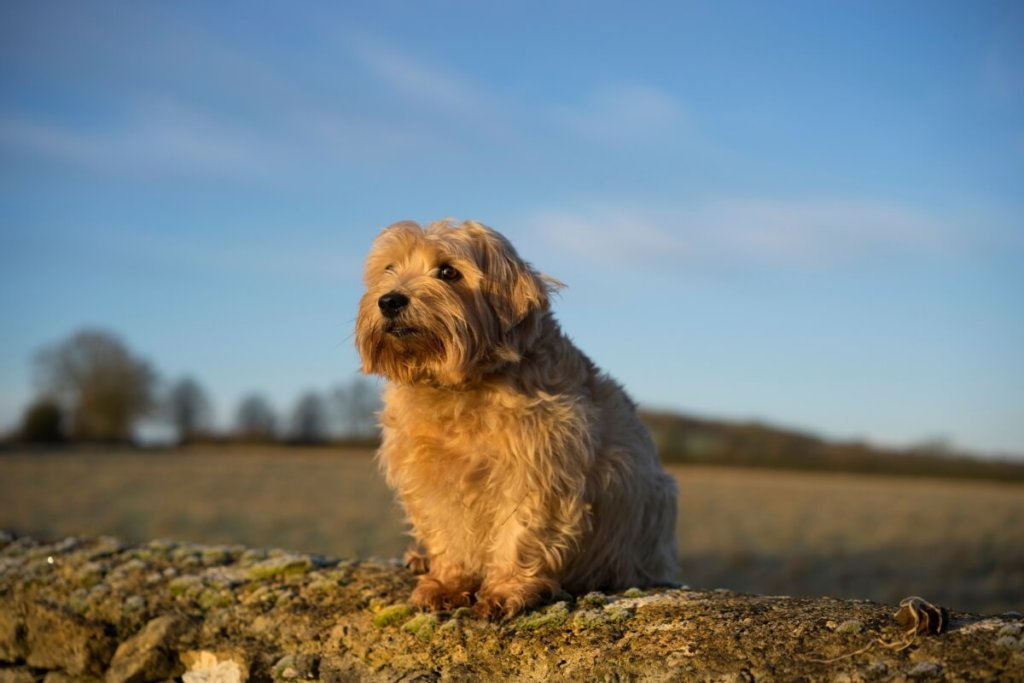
[(522, 468)]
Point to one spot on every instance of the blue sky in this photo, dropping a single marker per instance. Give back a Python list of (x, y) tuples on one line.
[(804, 213)]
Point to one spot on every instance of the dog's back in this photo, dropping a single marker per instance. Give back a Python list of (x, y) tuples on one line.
[(632, 541)]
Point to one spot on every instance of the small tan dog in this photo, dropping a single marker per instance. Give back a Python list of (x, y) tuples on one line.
[(523, 469)]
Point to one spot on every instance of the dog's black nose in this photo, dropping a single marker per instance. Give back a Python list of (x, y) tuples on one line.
[(392, 303)]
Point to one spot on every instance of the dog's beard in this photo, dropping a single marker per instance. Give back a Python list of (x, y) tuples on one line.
[(401, 353), (445, 347)]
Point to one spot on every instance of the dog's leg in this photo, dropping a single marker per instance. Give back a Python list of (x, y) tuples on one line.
[(523, 567), (540, 523)]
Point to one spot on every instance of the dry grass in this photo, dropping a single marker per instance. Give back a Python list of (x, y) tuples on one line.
[(958, 544)]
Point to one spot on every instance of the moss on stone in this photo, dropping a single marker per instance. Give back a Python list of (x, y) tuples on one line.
[(592, 599), (392, 614), (134, 603), (422, 626), (322, 586), (183, 585), (588, 619), (210, 599), (281, 566), (547, 617), (214, 556), (342, 576), (450, 627), (129, 568), (617, 615), (251, 556), (90, 574), (633, 593), (184, 556), (850, 627), (161, 546)]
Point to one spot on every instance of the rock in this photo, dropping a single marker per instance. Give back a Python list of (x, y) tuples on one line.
[(151, 654), (58, 639), (227, 614), (923, 671), (296, 668), (214, 667), (61, 677), (18, 674), (12, 637)]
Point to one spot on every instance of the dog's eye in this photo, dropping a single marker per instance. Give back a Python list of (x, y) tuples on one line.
[(389, 268), (448, 273)]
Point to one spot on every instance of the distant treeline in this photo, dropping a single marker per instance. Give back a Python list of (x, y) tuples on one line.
[(696, 441), (93, 389)]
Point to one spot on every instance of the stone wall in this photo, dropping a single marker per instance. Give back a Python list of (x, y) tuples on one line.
[(99, 609)]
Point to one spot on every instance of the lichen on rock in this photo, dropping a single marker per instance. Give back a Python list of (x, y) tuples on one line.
[(91, 609)]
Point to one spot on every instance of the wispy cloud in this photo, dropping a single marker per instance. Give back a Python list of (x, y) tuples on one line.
[(290, 255), (156, 138), (626, 113), (434, 91), (612, 113), (412, 78), (237, 116), (806, 233), (241, 118)]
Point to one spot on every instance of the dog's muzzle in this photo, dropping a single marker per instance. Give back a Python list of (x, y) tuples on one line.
[(392, 303)]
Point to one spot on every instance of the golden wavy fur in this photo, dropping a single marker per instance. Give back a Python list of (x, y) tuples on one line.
[(523, 469)]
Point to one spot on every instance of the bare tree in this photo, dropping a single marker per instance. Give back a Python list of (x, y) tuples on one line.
[(357, 405), (99, 383), (309, 421), (189, 408), (255, 418)]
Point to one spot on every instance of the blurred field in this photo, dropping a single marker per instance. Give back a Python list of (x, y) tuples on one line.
[(960, 544)]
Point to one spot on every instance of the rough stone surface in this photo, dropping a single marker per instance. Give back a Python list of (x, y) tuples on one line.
[(152, 653), (59, 639), (95, 609)]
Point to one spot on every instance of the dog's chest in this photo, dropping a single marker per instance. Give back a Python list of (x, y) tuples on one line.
[(463, 420), (457, 444)]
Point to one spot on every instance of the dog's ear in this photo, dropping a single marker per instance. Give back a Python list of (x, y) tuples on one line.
[(513, 288)]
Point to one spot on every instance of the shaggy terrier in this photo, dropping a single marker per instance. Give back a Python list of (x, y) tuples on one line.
[(523, 469)]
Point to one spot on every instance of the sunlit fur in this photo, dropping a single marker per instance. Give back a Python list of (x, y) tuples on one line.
[(522, 468)]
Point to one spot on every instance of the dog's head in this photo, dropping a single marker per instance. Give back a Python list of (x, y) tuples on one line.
[(447, 304)]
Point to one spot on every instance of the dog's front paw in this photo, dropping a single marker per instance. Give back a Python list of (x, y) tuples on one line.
[(416, 561), (430, 594), (494, 607), (509, 598)]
